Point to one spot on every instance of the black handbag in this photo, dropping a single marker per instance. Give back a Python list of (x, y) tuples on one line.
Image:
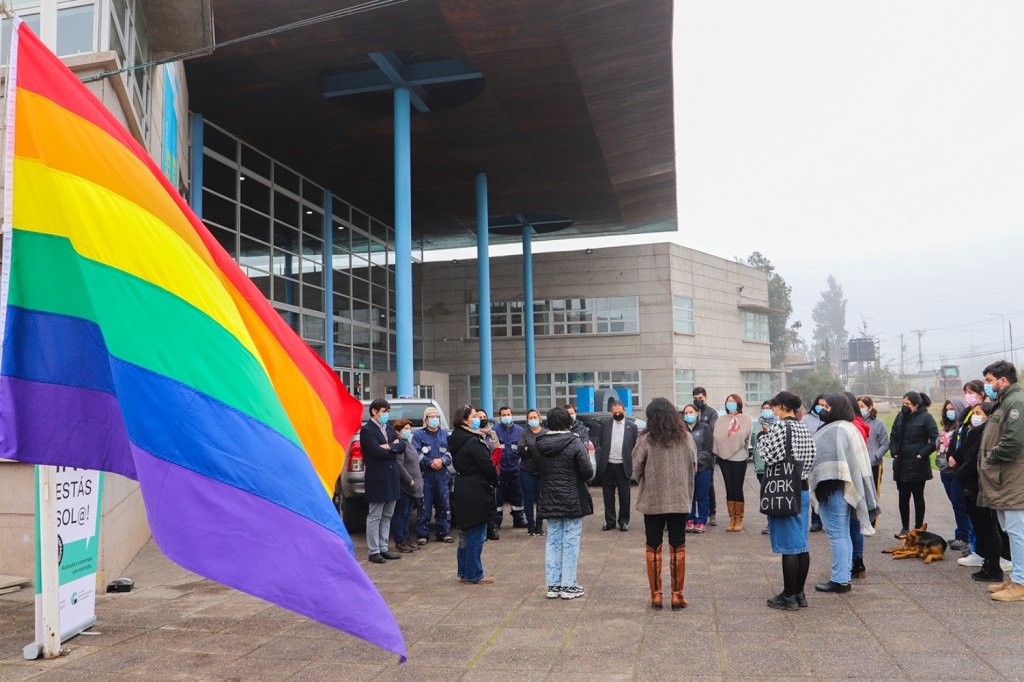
[(781, 487)]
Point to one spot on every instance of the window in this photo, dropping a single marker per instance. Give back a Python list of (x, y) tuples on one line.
[(271, 220), (684, 387), (682, 314), (757, 387), (755, 326), (555, 388), (561, 317)]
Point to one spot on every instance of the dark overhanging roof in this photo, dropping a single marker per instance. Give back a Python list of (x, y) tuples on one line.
[(574, 116)]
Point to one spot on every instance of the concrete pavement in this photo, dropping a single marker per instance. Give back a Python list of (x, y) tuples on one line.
[(905, 620)]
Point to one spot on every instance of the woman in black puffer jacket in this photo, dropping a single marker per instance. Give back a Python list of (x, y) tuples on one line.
[(563, 466), (911, 443)]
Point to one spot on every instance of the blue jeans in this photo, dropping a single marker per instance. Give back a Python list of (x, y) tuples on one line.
[(1012, 522), (562, 552), (955, 493), (531, 495), (701, 484), (835, 514), (400, 521), (471, 544), (856, 536)]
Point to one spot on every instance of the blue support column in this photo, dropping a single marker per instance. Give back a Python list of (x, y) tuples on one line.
[(531, 373), (483, 273), (329, 278), (403, 243), (196, 176)]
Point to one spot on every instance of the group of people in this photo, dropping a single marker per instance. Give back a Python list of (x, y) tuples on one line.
[(839, 443)]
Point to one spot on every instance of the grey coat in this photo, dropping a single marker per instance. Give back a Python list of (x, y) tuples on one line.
[(411, 467), (665, 475)]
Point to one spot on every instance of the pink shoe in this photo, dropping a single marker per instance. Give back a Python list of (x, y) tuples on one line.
[(689, 526), (700, 527)]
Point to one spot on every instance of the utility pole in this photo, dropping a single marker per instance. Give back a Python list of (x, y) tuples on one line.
[(920, 357), (1013, 354), (903, 354)]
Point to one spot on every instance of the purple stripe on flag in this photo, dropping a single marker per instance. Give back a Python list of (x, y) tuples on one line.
[(45, 423), (245, 542)]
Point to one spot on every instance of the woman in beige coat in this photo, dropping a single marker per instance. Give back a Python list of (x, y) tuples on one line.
[(664, 464)]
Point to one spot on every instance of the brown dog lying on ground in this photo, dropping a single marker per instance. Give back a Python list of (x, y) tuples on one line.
[(919, 543)]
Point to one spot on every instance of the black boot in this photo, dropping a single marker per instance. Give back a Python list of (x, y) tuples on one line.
[(858, 570), (989, 573), (492, 532)]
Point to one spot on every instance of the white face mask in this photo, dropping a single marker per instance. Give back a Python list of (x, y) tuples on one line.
[(977, 420)]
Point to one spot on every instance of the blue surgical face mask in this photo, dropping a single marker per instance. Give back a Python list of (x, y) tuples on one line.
[(506, 420), (533, 423), (730, 406), (407, 434), (864, 412), (767, 414), (689, 418), (433, 422), (951, 415), (991, 391), (475, 423), (383, 417), (818, 409)]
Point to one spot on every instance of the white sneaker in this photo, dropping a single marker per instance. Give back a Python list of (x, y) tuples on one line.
[(571, 592), (971, 559), (1005, 565)]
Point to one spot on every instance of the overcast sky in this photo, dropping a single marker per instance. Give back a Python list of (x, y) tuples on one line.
[(880, 142)]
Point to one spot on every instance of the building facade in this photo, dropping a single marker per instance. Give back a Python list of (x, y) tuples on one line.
[(657, 319)]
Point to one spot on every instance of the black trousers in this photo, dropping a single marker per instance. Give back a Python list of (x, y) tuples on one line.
[(654, 529), (906, 490), (733, 473), (991, 541), (615, 478)]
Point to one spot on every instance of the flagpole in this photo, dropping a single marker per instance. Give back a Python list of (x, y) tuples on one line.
[(48, 561)]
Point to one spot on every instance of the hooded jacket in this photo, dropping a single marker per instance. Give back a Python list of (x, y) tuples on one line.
[(911, 436), (944, 449), (563, 467), (1001, 459)]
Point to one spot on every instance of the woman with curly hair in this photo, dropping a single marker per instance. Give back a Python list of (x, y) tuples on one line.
[(664, 464)]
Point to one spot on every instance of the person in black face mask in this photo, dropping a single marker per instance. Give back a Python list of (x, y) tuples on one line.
[(615, 465), (707, 416), (912, 441)]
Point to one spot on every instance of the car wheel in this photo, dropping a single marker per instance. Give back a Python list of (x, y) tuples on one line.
[(354, 512)]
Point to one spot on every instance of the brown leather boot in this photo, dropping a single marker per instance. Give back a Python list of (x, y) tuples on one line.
[(678, 559), (739, 507), (732, 515), (654, 575)]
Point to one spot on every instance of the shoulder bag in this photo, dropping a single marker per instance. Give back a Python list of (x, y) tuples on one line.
[(781, 485)]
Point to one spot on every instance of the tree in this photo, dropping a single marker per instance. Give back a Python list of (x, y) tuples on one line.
[(784, 338), (829, 317), (813, 384)]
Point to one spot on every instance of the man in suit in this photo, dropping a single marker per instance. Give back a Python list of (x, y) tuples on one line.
[(382, 450), (615, 465)]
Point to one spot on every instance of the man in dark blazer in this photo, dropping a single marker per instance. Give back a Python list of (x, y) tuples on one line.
[(382, 451), (615, 465)]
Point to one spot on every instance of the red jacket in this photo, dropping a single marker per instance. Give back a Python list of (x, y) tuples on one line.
[(862, 426)]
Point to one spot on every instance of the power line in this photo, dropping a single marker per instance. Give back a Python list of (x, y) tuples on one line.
[(329, 16)]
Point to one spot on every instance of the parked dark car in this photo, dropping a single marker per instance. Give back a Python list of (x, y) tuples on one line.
[(350, 490)]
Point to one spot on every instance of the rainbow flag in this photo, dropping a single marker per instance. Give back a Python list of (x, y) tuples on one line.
[(133, 343)]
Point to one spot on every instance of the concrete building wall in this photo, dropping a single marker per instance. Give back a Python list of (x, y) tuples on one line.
[(715, 351)]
